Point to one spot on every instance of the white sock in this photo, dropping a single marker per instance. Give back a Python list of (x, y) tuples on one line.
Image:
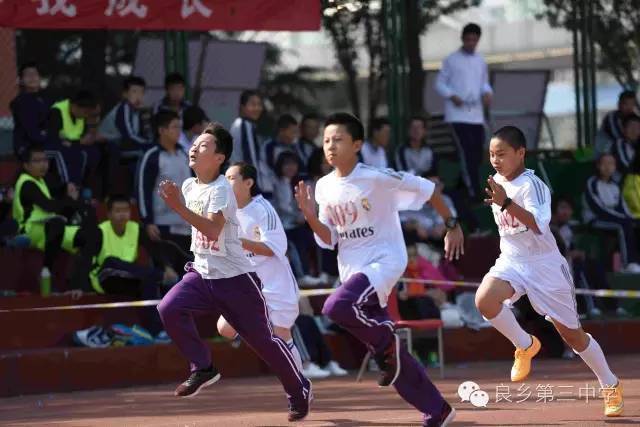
[(505, 322), (594, 358), (296, 354)]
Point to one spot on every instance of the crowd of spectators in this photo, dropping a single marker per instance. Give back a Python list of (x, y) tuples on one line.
[(53, 209)]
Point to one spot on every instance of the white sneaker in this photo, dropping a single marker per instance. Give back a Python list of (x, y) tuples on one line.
[(632, 267), (313, 371), (595, 312), (307, 280), (335, 369), (621, 312)]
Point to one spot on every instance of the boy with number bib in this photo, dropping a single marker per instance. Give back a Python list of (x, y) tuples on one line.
[(221, 279), (530, 263), (358, 211)]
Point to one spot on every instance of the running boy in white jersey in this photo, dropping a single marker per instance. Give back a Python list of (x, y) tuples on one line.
[(531, 264), (359, 207), (221, 279), (265, 244)]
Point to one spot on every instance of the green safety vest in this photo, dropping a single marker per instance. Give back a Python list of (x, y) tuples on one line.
[(123, 247), (37, 214), (72, 130)]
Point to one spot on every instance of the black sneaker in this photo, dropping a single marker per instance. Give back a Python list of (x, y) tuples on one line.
[(389, 363), (298, 410), (446, 416), (197, 381)]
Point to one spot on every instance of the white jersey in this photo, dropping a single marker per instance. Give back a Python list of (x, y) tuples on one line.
[(361, 211), (516, 239), (224, 257), (259, 222)]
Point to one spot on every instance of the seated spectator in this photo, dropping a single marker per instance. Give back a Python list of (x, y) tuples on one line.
[(585, 269), (246, 144), (605, 209), (416, 157), (30, 110), (115, 270), (9, 227), (624, 148), (284, 141), (425, 224), (631, 188), (66, 135), (309, 131), (44, 219), (166, 160), (194, 120), (374, 151), (175, 87), (300, 237), (317, 360), (612, 123), (327, 259), (133, 139)]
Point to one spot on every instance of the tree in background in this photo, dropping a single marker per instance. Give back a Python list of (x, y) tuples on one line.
[(616, 32), (357, 26)]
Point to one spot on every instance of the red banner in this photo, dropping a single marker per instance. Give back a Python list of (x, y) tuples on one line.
[(189, 15)]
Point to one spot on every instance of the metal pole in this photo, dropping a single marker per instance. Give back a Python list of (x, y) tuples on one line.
[(584, 65), (592, 70), (576, 73)]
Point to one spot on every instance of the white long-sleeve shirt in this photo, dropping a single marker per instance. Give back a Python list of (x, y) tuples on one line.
[(466, 76)]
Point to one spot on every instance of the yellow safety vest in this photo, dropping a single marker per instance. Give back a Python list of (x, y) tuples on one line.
[(72, 130), (123, 247), (37, 214)]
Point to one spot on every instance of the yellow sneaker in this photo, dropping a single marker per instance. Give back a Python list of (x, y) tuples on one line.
[(613, 402), (522, 363)]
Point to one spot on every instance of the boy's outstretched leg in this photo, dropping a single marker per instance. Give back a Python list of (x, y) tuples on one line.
[(250, 318), (191, 295), (355, 307), (489, 299), (585, 346)]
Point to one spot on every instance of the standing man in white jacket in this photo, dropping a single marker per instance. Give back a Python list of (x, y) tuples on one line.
[(463, 82)]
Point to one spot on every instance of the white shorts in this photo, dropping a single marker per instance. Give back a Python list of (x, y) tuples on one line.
[(547, 282), (282, 302)]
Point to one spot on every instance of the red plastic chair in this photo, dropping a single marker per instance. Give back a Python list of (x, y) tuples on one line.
[(406, 328)]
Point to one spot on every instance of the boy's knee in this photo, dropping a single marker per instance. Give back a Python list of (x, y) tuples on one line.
[(337, 309), (167, 309)]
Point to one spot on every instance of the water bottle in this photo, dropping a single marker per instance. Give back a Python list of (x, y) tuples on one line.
[(45, 282), (433, 359)]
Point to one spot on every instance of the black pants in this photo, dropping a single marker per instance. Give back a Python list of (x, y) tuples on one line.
[(175, 247), (123, 278), (310, 341), (85, 241), (471, 137), (626, 231), (301, 238)]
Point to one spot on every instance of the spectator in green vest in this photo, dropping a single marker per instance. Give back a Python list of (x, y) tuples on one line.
[(45, 220), (90, 161), (115, 270)]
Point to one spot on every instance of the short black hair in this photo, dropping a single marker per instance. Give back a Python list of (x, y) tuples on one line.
[(556, 200), (224, 141), (248, 171), (162, 119), (512, 136), (626, 94), (285, 121), (309, 116), (117, 198), (285, 157), (247, 94), (174, 79), (421, 118), (630, 119), (84, 98), (192, 116), (29, 64), (350, 122), (472, 28), (378, 123), (133, 81), (27, 153)]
